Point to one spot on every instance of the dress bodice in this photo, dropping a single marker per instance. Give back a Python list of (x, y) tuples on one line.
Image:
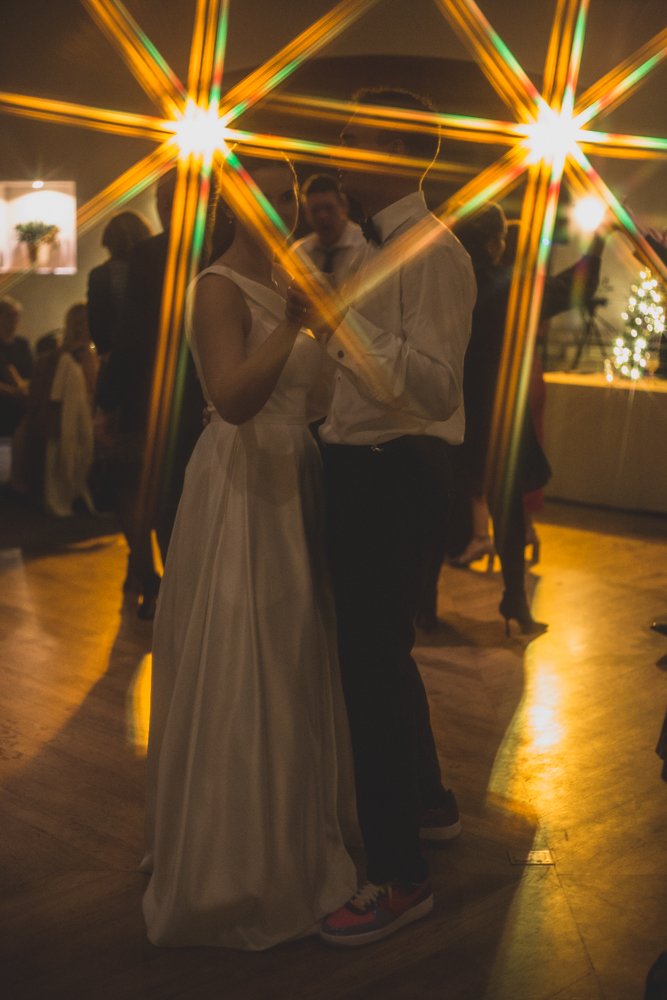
[(288, 401)]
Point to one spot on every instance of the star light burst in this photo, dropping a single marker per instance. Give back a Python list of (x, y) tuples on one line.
[(550, 138)]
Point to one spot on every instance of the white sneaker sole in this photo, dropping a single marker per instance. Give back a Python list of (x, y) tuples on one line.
[(440, 833), (356, 940)]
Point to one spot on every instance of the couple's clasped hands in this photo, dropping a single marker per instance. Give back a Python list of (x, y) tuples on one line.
[(320, 316)]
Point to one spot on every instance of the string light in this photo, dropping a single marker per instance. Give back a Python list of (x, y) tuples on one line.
[(644, 322)]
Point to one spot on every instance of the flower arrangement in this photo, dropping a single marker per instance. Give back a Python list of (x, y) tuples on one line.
[(36, 232), (33, 234)]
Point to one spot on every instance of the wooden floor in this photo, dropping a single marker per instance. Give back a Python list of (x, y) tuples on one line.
[(550, 747)]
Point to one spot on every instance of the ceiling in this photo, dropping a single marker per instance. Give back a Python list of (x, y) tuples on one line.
[(53, 48)]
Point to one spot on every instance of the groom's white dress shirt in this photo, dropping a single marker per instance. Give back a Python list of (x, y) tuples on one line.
[(399, 351)]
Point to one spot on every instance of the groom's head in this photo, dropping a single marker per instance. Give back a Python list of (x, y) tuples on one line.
[(392, 138)]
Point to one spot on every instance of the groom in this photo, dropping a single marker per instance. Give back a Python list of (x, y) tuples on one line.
[(399, 352)]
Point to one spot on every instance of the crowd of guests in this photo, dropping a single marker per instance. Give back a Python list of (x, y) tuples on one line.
[(77, 409), (48, 397)]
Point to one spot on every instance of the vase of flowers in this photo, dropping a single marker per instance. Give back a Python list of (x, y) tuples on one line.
[(36, 234)]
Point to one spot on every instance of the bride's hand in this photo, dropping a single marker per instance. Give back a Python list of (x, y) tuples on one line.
[(301, 309), (298, 307)]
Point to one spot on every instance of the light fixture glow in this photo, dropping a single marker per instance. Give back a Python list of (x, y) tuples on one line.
[(552, 137), (200, 132), (37, 185), (588, 213)]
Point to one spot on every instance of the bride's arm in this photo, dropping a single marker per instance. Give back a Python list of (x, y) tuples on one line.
[(239, 384)]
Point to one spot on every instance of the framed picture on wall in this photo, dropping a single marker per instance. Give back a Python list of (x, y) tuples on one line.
[(38, 226)]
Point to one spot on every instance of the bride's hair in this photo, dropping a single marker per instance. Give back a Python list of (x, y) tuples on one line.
[(221, 220)]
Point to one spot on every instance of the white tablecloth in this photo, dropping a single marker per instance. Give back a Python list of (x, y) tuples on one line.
[(607, 442)]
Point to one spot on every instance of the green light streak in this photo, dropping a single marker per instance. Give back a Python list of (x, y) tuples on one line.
[(219, 56), (575, 59), (626, 84), (273, 81), (644, 142), (257, 193), (149, 47)]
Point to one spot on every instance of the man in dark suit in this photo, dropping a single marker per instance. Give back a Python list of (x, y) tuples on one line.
[(123, 396), (16, 365)]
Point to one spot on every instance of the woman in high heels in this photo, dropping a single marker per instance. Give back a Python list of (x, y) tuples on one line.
[(484, 237)]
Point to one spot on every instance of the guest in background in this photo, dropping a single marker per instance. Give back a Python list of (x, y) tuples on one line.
[(335, 241), (48, 342), (122, 407), (480, 544), (16, 364), (53, 446), (484, 237), (107, 283)]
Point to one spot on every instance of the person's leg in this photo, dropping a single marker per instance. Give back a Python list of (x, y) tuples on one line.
[(142, 576), (480, 545), (510, 534), (376, 535), (436, 454)]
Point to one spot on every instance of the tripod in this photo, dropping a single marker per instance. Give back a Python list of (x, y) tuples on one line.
[(591, 334)]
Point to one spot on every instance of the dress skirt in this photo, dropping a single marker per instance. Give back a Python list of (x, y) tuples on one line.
[(247, 720)]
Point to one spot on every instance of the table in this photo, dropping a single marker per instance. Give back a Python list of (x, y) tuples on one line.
[(607, 441)]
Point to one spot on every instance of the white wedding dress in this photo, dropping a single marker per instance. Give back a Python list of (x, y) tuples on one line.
[(244, 840)]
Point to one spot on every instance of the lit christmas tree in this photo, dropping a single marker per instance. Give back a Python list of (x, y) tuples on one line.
[(644, 325)]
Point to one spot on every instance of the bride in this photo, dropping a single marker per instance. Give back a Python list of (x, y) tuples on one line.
[(244, 844)]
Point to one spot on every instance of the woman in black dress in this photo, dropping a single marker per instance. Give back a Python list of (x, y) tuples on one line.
[(484, 237)]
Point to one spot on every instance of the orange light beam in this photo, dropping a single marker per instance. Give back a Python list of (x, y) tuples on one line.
[(207, 53), (260, 144), (263, 80), (497, 179), (145, 62), (460, 127), (100, 119), (186, 240), (619, 145), (191, 190), (525, 301), (125, 187), (185, 245), (492, 182), (617, 85), (501, 68), (246, 199), (582, 174), (561, 70)]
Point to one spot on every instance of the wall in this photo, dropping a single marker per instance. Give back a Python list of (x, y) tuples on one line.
[(47, 297)]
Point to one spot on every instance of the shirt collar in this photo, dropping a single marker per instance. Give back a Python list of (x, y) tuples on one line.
[(391, 218), (347, 239)]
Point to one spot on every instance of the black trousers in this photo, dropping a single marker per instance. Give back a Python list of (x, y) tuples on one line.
[(379, 510)]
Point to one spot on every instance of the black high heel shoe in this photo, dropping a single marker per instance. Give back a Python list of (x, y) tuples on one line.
[(518, 611)]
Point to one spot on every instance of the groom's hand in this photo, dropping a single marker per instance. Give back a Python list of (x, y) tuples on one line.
[(302, 309)]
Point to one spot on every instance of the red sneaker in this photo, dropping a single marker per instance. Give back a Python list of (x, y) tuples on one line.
[(375, 912)]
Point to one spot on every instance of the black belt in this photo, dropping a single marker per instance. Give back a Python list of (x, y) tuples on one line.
[(394, 444)]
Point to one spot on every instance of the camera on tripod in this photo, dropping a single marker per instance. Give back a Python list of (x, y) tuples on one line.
[(590, 305)]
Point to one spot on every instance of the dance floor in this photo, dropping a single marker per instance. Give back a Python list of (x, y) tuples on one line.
[(557, 887)]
